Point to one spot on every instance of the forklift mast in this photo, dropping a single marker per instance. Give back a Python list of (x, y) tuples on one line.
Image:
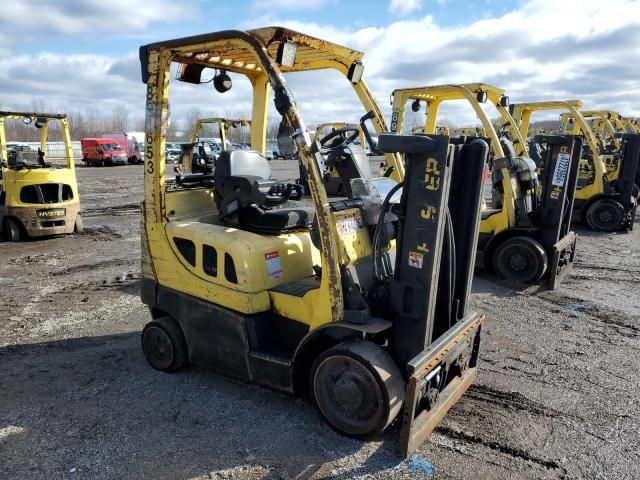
[(629, 178), (433, 335), (558, 178)]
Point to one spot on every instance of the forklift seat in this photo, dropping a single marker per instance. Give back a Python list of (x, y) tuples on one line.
[(246, 195)]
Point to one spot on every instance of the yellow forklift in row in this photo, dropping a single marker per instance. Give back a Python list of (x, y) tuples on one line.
[(525, 234), (200, 154), (609, 128), (359, 303), (38, 191), (357, 164), (601, 203)]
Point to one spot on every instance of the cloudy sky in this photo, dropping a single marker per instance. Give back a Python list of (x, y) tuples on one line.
[(82, 54)]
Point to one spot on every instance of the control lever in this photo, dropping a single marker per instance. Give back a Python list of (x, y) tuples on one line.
[(373, 147)]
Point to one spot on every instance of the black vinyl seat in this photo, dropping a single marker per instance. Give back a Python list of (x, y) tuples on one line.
[(275, 221), (248, 198)]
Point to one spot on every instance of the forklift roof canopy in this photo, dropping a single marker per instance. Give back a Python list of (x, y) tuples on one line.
[(226, 50), (449, 92)]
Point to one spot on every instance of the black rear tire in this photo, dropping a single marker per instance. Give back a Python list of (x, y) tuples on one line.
[(11, 230), (605, 215), (520, 259), (357, 388), (164, 346)]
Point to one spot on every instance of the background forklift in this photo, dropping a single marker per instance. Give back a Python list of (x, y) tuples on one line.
[(201, 153), (608, 127), (38, 197), (333, 182), (525, 235), (600, 203), (360, 303)]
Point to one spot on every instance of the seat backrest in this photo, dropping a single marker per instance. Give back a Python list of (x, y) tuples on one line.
[(241, 162)]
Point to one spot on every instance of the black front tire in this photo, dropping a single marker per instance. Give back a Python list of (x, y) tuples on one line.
[(357, 388), (164, 346), (520, 259), (11, 230), (605, 215)]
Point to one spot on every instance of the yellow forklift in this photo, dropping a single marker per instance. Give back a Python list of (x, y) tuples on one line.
[(359, 303), (525, 235), (38, 194), (469, 132), (223, 125), (609, 128), (201, 153), (357, 163), (601, 202), (631, 125)]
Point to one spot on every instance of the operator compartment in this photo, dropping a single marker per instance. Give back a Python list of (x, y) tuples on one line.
[(238, 227)]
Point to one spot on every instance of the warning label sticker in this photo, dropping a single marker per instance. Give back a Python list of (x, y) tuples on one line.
[(415, 259), (562, 168), (274, 265), (349, 225)]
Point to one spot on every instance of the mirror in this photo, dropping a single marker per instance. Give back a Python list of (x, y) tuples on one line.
[(222, 82), (286, 145)]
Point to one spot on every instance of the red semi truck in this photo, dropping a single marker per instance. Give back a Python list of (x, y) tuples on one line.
[(128, 143)]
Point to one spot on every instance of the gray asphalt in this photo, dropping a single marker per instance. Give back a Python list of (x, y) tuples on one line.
[(556, 397)]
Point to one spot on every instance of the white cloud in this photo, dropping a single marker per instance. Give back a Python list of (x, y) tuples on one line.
[(405, 7), (541, 50), (73, 17)]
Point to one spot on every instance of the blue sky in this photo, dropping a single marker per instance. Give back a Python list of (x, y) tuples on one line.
[(82, 54), (213, 15)]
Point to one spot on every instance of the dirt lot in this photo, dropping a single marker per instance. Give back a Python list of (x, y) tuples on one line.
[(557, 395)]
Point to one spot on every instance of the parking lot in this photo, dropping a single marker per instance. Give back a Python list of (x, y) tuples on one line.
[(556, 397)]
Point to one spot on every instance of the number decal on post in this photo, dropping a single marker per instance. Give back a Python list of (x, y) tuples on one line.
[(561, 170)]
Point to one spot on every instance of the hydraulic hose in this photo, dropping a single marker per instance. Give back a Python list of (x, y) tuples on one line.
[(378, 265)]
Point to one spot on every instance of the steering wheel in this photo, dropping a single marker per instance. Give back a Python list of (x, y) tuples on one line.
[(341, 142)]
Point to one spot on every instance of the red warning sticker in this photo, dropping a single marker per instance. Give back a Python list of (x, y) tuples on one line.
[(274, 265)]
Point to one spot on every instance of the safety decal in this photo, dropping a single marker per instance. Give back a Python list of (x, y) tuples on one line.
[(349, 225), (274, 265), (415, 259), (562, 168)]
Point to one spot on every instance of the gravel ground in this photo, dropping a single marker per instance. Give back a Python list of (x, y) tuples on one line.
[(556, 397)]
